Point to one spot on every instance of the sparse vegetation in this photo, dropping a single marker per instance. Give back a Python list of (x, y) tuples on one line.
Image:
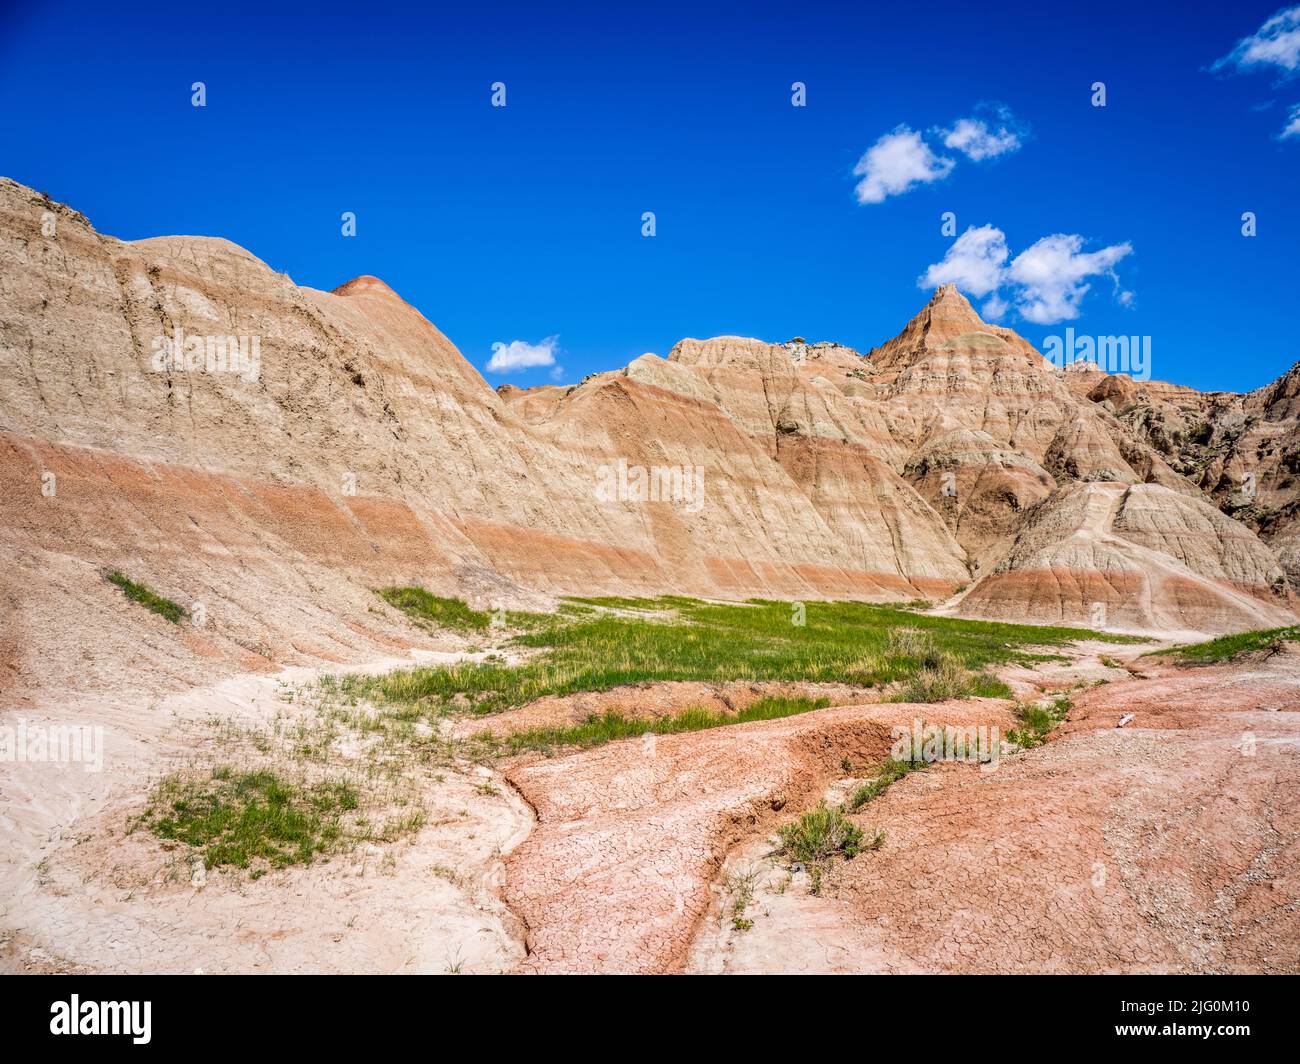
[(740, 886), (890, 772), (150, 600), (253, 818), (1037, 722), (819, 834), (686, 639), (1228, 647), (597, 730)]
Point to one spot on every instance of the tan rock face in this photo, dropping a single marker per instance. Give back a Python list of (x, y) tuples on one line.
[(1243, 451), (1138, 557), (266, 455)]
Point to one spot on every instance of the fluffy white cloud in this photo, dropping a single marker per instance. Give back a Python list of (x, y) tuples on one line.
[(1051, 276), (895, 163), (974, 138), (974, 263), (520, 354), (1276, 43), (1045, 282), (902, 159)]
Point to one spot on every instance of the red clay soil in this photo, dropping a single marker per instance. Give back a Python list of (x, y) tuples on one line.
[(616, 875), (1172, 844)]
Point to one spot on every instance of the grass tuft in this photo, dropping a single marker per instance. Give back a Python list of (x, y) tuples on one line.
[(1038, 722), (820, 834), (890, 772), (150, 600)]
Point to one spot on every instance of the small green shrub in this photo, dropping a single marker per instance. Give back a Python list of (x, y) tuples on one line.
[(819, 834), (1038, 722)]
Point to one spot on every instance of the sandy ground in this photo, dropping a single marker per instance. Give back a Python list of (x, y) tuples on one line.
[(1171, 844), (80, 893)]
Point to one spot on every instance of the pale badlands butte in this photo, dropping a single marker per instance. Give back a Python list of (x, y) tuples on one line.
[(824, 471), (952, 463)]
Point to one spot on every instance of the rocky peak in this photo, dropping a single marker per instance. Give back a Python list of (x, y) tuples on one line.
[(365, 285), (948, 315)]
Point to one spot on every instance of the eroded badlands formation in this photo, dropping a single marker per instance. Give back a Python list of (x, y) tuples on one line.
[(367, 451)]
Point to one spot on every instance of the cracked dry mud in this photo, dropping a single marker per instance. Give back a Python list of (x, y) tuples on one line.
[(1163, 846)]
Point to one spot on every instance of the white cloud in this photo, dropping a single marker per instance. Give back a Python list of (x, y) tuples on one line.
[(1292, 128), (974, 262), (902, 159), (975, 140), (995, 309), (520, 354), (1050, 276), (1276, 43), (1045, 282), (895, 163)]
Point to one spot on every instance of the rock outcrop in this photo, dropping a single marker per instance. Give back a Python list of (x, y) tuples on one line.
[(267, 454)]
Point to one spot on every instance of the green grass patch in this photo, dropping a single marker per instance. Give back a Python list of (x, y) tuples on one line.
[(1038, 722), (253, 818), (621, 602), (603, 729), (433, 611), (1227, 647), (150, 600), (686, 639)]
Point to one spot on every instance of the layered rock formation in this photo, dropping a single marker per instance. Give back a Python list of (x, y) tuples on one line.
[(342, 443), (1243, 451)]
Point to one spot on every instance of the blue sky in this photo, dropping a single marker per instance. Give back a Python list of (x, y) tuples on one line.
[(511, 225)]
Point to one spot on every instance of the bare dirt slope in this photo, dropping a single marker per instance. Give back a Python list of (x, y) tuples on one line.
[(1172, 844)]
